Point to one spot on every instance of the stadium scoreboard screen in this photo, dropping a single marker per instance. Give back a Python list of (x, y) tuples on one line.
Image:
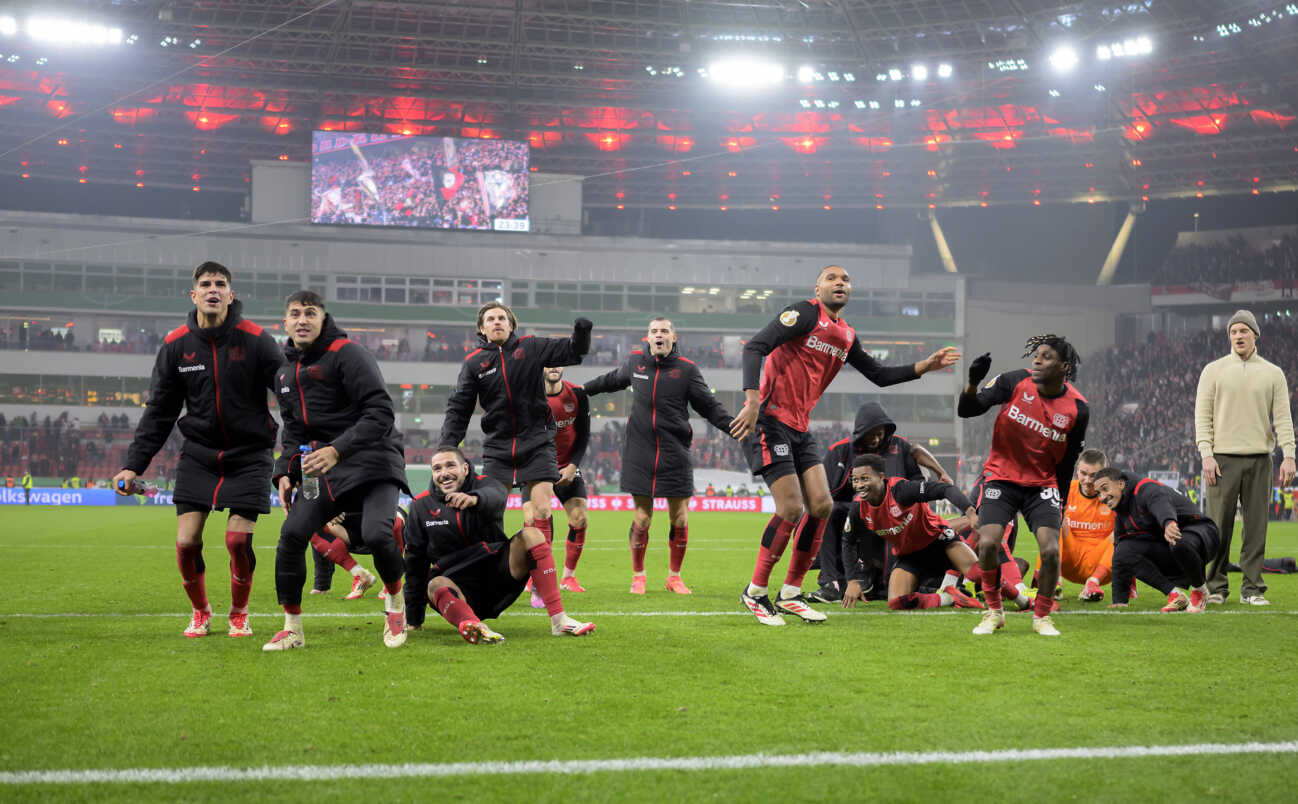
[(422, 182)]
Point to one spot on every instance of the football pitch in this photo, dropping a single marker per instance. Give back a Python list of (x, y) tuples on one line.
[(674, 698)]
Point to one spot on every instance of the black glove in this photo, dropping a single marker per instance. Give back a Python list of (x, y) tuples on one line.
[(583, 323), (581, 336), (979, 367)]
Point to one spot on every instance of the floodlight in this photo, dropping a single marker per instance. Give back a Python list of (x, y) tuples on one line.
[(1103, 53), (746, 73), (70, 32), (8, 25), (805, 74), (894, 74), (1063, 59), (919, 72), (944, 71)]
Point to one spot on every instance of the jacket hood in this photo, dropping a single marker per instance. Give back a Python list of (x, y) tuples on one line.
[(329, 333), (672, 355), (232, 317), (869, 416), (483, 343)]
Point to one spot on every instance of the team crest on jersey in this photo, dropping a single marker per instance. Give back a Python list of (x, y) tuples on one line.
[(519, 353), (895, 510), (315, 371), (189, 356), (640, 367), (1028, 397), (789, 317), (485, 363), (569, 407), (992, 494), (236, 354), (823, 324), (1061, 421), (675, 374)]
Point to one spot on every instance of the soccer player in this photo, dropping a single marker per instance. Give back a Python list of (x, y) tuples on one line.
[(896, 510), (459, 560), (334, 545), (1036, 440), (874, 433), (1160, 536), (505, 374), (334, 401), (1086, 541), (656, 455), (570, 408), (218, 368), (792, 360)]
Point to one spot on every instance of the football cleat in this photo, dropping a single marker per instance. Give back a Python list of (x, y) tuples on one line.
[(992, 621), (571, 584), (537, 601), (394, 629), (360, 584), (1044, 626), (797, 606), (1177, 601), (477, 633), (319, 591), (675, 584), (200, 625), (239, 624), (961, 600), (1216, 599), (637, 584), (1091, 592), (1198, 601), (571, 627), (285, 640), (761, 608)]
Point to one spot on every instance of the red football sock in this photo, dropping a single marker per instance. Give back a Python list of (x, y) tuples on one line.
[(1010, 574), (336, 551), (806, 544), (1043, 603), (393, 589), (639, 544), (193, 575), (1103, 575), (991, 586), (915, 601), (572, 548), (242, 565), (774, 539), (450, 606), (294, 609), (546, 526), (680, 537), (544, 581)]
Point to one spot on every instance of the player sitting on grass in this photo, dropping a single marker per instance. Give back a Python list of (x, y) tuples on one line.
[(459, 560), (1160, 538), (334, 546), (896, 510)]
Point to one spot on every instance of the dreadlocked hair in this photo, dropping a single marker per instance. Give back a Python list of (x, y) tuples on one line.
[(1062, 348)]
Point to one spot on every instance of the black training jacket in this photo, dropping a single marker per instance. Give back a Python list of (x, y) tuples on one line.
[(435, 533), (220, 376), (1147, 506), (898, 462), (508, 380), (332, 394)]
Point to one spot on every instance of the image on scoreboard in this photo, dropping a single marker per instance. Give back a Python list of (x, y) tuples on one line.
[(420, 182)]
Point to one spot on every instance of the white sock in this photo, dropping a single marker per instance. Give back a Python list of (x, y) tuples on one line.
[(637, 575), (395, 603), (559, 619), (293, 622), (1176, 590), (567, 573), (357, 571), (947, 580), (787, 591), (945, 596), (1093, 580), (756, 591)]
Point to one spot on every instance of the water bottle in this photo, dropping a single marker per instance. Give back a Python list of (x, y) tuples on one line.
[(310, 485), (139, 487)]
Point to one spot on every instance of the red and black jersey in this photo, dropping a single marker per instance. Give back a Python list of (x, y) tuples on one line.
[(571, 411), (795, 357), (1036, 438), (219, 377), (903, 518)]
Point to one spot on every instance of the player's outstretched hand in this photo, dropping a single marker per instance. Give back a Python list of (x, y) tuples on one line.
[(979, 367), (943, 358), (124, 482), (852, 594), (743, 425), (285, 492)]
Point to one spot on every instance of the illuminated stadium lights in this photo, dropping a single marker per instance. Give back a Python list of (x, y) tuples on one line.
[(849, 77), (1063, 58), (746, 73), (805, 74), (1054, 93), (8, 25), (1140, 46), (859, 104), (833, 76), (880, 77), (42, 61), (919, 72), (944, 71), (899, 104), (894, 74), (167, 41), (873, 104), (804, 103), (1008, 65), (1099, 87), (69, 32), (916, 102)]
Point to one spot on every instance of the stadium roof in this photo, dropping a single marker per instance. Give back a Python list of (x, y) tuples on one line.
[(903, 103)]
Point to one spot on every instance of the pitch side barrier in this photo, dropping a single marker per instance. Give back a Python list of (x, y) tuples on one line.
[(55, 496)]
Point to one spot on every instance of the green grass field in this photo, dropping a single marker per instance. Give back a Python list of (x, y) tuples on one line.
[(96, 676)]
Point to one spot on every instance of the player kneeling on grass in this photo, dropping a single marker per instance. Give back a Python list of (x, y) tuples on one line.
[(459, 560), (896, 510), (335, 404), (1160, 538), (335, 544)]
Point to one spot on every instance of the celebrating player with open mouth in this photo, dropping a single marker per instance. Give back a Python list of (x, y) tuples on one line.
[(792, 360)]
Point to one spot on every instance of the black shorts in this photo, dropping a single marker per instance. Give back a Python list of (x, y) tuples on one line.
[(481, 571), (574, 490), (220, 484), (776, 450), (189, 508), (540, 465), (1000, 503), (1011, 537), (931, 561)]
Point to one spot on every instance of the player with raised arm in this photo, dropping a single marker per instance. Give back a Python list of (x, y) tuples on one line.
[(1036, 440), (787, 366), (459, 560), (506, 375), (335, 404), (656, 456), (570, 407), (218, 368)]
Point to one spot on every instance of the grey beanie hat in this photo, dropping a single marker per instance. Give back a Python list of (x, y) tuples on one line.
[(1246, 318)]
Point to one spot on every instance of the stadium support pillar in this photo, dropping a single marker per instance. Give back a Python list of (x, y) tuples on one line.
[(943, 250), (1119, 245)]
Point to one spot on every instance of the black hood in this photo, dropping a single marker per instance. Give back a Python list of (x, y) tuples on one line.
[(869, 416), (329, 333)]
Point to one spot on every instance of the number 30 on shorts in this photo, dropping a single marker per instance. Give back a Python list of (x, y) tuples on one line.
[(1051, 495)]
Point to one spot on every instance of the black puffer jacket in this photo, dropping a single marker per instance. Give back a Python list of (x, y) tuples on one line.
[(332, 394)]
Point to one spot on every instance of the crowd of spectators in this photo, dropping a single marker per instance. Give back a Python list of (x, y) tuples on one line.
[(1228, 262), (62, 447)]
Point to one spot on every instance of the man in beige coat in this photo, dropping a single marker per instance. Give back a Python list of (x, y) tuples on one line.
[(1240, 412)]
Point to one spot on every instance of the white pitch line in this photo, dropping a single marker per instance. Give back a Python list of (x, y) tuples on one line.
[(313, 773), (681, 613)]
